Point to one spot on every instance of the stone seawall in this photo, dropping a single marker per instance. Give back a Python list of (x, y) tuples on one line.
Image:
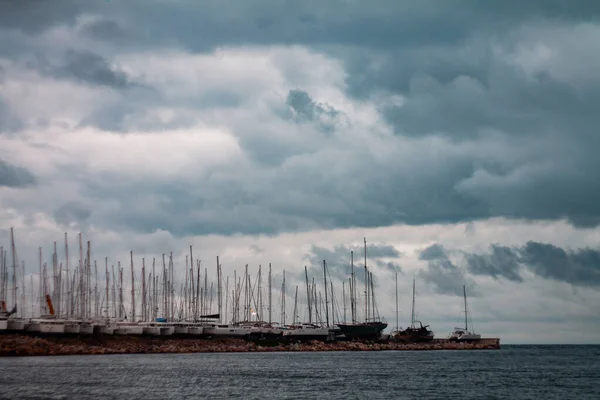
[(23, 345)]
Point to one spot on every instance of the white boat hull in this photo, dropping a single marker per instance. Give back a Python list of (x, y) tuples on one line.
[(107, 330), (32, 327), (195, 330), (3, 324), (72, 329), (166, 330), (86, 329), (129, 330), (306, 333), (52, 328), (16, 325), (226, 331), (181, 330), (151, 331)]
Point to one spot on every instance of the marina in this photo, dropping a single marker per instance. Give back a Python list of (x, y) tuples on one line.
[(82, 303)]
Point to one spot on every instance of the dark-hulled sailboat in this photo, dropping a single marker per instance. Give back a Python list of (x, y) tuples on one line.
[(414, 333), (373, 325)]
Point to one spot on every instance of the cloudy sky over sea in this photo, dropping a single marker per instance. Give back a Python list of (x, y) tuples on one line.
[(461, 141)]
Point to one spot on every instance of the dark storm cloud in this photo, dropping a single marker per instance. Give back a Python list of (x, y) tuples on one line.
[(578, 267), (202, 25), (433, 252), (391, 266), (15, 176), (106, 29), (72, 212), (453, 82), (339, 260), (37, 15), (445, 276), (88, 67), (305, 109), (8, 121), (502, 262)]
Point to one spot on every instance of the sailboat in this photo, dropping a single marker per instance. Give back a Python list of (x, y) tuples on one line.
[(463, 334), (373, 325), (414, 333), (305, 331)]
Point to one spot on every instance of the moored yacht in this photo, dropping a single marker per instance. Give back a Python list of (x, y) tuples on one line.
[(304, 332), (128, 328), (216, 330), (463, 334)]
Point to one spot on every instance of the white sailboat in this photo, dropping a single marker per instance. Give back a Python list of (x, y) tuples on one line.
[(463, 334)]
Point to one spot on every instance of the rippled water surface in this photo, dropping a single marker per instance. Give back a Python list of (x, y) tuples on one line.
[(515, 372)]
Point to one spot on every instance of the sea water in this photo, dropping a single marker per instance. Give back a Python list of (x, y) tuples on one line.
[(513, 372)]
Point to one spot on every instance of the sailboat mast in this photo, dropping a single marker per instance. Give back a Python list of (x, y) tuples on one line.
[(120, 290), (68, 303), (132, 288), (198, 297), (89, 285), (192, 297), (96, 292), (42, 302), (352, 289), (283, 299), (14, 260), (219, 304), (326, 302), (308, 296), (412, 316), (81, 291), (260, 304), (465, 297), (106, 289), (295, 306), (114, 300), (397, 324), (226, 298), (366, 285), (270, 300), (144, 315), (332, 305), (154, 304), (344, 298)]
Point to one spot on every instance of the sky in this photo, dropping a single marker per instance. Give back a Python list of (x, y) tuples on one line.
[(460, 140)]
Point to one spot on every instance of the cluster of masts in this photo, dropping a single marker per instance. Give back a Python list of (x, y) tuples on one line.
[(86, 294)]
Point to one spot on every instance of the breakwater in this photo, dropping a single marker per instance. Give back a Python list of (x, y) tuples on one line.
[(25, 345)]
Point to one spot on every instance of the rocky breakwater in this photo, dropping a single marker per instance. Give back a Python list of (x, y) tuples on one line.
[(23, 345)]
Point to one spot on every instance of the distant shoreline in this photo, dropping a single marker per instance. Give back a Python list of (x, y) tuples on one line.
[(16, 345)]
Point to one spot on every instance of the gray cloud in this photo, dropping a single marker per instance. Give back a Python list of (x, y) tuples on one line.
[(579, 267), (15, 176), (8, 121), (391, 266), (502, 262), (72, 212), (434, 252), (339, 260), (445, 276), (305, 109), (37, 15), (479, 114), (92, 68), (107, 29)]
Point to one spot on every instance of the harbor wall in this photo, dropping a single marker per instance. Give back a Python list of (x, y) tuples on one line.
[(28, 345)]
